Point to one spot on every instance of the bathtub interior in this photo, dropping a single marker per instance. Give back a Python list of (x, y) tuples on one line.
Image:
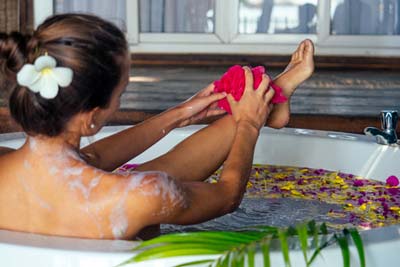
[(356, 154)]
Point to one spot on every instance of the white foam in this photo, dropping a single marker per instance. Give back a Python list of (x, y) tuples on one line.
[(73, 171), (32, 143), (27, 165), (85, 190), (118, 219)]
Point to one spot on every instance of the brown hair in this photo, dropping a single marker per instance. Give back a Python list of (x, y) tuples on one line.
[(92, 47)]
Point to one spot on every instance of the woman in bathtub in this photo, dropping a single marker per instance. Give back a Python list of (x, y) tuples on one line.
[(64, 83)]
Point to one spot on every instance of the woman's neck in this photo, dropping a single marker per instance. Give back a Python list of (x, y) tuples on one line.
[(46, 144)]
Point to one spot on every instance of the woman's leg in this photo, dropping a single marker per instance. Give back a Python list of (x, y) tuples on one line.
[(299, 69), (201, 154)]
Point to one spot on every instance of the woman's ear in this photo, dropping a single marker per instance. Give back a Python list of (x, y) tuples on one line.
[(89, 123)]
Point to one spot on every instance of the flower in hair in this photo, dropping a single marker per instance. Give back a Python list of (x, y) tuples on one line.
[(44, 77)]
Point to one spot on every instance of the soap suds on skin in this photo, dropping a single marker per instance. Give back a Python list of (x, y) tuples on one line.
[(73, 171), (65, 167), (93, 213), (32, 143), (27, 165), (77, 184), (118, 218), (164, 187)]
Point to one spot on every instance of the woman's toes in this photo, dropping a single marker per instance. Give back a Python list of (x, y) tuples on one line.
[(300, 57), (309, 46), (302, 46)]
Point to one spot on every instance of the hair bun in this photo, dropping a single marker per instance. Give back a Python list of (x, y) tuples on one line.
[(13, 50)]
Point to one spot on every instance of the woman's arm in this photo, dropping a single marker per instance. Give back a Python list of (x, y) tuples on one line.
[(203, 201), (113, 151)]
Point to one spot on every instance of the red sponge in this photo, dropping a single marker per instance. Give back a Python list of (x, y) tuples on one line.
[(233, 82)]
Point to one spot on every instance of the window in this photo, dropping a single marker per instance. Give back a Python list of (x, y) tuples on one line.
[(338, 27), (370, 17), (169, 16), (115, 13), (275, 17)]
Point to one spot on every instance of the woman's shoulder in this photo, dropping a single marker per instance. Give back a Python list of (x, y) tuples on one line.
[(152, 188), (5, 150)]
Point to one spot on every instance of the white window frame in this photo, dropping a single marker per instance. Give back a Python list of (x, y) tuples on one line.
[(45, 8), (217, 37), (227, 40)]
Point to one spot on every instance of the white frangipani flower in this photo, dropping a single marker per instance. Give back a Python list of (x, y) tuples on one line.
[(44, 77)]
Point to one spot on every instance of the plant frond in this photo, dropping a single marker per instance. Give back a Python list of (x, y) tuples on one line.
[(355, 235), (282, 234), (235, 248), (303, 239), (344, 246)]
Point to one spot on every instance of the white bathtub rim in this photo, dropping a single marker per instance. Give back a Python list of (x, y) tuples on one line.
[(118, 251), (264, 130)]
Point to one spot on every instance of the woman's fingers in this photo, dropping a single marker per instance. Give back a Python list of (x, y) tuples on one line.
[(248, 78), (207, 90), (264, 85), (231, 100), (269, 95), (215, 97), (215, 112)]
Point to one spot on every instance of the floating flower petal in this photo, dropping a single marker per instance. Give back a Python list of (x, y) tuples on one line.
[(392, 181)]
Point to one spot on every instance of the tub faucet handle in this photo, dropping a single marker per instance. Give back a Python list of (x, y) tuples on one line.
[(389, 120), (387, 135)]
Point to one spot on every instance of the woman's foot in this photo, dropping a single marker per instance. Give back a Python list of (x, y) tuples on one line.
[(299, 69)]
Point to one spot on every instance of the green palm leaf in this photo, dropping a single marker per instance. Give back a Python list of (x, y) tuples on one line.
[(251, 254), (303, 238), (319, 249), (194, 263), (344, 246), (282, 234), (359, 245), (313, 229), (234, 248), (225, 260), (265, 246), (173, 251), (222, 238)]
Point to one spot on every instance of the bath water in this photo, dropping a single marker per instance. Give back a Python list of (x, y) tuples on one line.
[(284, 196), (265, 211)]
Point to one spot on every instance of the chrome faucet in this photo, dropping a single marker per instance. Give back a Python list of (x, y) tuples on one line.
[(387, 135)]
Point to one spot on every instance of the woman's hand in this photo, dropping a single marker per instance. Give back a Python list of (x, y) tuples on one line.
[(200, 106), (254, 106)]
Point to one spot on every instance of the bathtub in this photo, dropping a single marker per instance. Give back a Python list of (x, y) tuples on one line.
[(350, 153)]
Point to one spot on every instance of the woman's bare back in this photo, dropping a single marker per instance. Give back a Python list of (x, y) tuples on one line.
[(51, 190)]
